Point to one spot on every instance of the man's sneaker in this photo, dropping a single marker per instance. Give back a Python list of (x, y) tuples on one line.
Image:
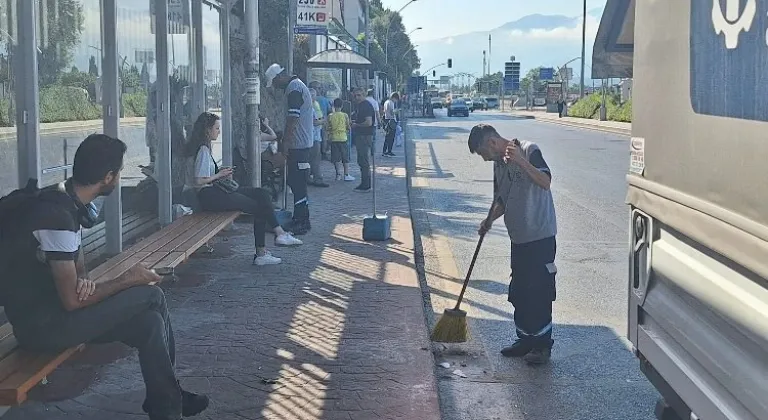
[(385, 155), (349, 178), (266, 259), (391, 154), (287, 239), (338, 177), (320, 184), (518, 349), (191, 404), (538, 356), (362, 189)]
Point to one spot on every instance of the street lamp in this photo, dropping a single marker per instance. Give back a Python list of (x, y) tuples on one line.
[(386, 40), (583, 47), (417, 29)]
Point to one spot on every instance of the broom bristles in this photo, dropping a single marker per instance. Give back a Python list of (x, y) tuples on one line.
[(451, 327)]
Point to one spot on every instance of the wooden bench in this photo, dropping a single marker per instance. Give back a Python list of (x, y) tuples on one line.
[(21, 370)]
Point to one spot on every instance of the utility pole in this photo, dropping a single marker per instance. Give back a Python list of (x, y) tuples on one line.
[(291, 36), (252, 92), (489, 53), (583, 48), (368, 29)]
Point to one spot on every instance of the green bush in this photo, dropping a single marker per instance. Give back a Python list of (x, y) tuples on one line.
[(5, 117), (66, 103), (589, 107), (622, 113), (135, 104)]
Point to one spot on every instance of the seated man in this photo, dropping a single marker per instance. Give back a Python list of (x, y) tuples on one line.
[(51, 303)]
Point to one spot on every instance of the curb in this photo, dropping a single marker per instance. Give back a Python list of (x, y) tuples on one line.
[(587, 126)]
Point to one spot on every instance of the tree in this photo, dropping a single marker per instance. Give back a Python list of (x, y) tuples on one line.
[(531, 79), (64, 20), (401, 58)]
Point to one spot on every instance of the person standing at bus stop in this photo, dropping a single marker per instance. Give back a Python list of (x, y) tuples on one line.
[(298, 138), (521, 190)]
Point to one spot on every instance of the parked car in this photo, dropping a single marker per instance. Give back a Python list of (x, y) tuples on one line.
[(437, 103), (479, 103), (491, 102), (458, 107)]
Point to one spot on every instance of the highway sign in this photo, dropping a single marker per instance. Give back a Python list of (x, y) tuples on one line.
[(546, 73)]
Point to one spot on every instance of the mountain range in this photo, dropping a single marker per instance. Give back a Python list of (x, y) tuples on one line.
[(535, 40)]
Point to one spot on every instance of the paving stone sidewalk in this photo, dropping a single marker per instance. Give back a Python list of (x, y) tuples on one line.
[(335, 332)]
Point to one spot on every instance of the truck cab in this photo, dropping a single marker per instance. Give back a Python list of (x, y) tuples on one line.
[(697, 198)]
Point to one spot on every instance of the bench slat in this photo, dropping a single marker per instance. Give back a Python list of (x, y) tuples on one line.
[(21, 371), (5, 331), (172, 260), (7, 345), (149, 244), (184, 245), (211, 225), (121, 268), (201, 237)]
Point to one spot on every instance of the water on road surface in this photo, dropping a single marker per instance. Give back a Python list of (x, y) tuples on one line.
[(593, 374)]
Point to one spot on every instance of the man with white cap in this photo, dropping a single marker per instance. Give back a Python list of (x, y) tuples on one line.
[(298, 139)]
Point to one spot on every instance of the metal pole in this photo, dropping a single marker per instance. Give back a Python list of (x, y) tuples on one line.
[(252, 91), (113, 207), (292, 8), (197, 47), (27, 87), (489, 53), (226, 86), (368, 28), (583, 48), (163, 161)]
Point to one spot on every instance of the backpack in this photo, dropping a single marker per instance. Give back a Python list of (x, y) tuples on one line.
[(16, 203)]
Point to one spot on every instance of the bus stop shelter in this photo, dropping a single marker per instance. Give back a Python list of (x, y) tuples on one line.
[(121, 36)]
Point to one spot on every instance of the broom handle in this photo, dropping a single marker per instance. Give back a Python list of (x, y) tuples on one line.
[(469, 272)]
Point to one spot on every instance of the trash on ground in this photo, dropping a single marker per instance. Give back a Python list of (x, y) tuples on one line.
[(459, 373), (445, 365)]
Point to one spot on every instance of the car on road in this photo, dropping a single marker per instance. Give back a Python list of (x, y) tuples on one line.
[(437, 103), (491, 102), (479, 103), (470, 104), (458, 106)]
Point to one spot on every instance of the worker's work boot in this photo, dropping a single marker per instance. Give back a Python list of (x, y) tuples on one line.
[(519, 348)]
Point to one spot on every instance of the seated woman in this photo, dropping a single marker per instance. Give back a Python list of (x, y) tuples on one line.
[(203, 172)]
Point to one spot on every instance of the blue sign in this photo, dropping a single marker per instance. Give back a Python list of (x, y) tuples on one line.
[(546, 73), (511, 83), (729, 58)]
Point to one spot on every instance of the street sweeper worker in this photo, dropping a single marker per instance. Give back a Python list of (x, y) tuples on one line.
[(521, 191)]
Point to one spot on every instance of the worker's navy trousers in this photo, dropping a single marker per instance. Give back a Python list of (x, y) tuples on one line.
[(532, 289)]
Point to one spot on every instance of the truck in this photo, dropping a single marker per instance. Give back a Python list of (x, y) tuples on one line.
[(697, 196)]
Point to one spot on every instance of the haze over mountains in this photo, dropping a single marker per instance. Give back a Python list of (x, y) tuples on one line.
[(535, 40)]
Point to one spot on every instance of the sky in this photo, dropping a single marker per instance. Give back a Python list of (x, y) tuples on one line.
[(442, 18)]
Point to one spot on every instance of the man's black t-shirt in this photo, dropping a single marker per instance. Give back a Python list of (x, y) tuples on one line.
[(364, 110), (49, 230)]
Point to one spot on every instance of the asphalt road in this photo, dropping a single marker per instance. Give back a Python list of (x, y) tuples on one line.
[(593, 374)]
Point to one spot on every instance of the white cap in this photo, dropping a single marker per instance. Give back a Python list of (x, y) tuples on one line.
[(272, 72)]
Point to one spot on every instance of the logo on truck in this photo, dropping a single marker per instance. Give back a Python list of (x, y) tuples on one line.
[(732, 23)]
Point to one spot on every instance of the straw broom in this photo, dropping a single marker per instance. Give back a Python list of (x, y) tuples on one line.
[(452, 326)]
